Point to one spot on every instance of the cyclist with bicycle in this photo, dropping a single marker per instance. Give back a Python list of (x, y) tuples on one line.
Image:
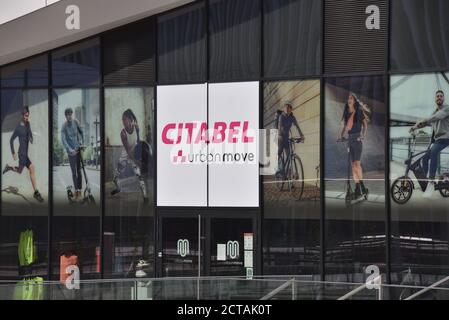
[(284, 122), (440, 140), (355, 125)]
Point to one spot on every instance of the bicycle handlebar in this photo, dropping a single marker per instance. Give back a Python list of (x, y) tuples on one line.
[(296, 140)]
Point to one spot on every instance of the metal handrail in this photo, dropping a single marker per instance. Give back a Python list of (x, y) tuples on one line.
[(431, 287), (353, 292), (278, 289), (362, 287)]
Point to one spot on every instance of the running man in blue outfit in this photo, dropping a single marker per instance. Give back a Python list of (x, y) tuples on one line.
[(24, 134)]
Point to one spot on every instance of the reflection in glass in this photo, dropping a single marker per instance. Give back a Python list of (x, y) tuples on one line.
[(355, 177), (419, 35), (234, 41), (292, 185), (29, 73), (419, 219), (129, 178), (298, 51), (77, 65), (182, 45), (24, 214), (76, 179)]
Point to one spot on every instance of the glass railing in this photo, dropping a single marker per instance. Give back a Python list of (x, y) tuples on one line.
[(216, 288)]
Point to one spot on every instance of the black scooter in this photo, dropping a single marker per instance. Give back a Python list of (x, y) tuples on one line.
[(87, 194), (350, 197), (402, 188)]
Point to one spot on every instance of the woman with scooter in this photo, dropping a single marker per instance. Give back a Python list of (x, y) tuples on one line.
[(354, 126)]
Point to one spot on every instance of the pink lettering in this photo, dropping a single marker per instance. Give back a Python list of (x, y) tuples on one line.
[(180, 126), (246, 139), (165, 138), (219, 130), (202, 135), (233, 132), (190, 127)]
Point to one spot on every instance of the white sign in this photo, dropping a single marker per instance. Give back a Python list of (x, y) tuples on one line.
[(235, 181), (201, 139), (249, 273), (248, 239), (221, 252), (248, 261), (180, 110)]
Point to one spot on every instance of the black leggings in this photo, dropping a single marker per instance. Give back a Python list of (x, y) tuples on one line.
[(75, 166)]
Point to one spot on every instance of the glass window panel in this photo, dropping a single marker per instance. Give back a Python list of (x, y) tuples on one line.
[(77, 65), (419, 35), (129, 54), (129, 181), (24, 213), (29, 73), (182, 45), (234, 43), (76, 200), (292, 37), (354, 177), (419, 224), (291, 185)]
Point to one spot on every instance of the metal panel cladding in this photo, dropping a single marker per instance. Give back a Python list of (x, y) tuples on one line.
[(356, 36)]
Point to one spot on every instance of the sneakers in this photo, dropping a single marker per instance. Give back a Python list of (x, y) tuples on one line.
[(78, 197), (429, 190), (115, 191), (7, 168), (359, 193), (38, 196)]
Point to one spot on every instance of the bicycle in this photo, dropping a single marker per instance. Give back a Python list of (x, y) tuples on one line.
[(291, 176), (402, 188)]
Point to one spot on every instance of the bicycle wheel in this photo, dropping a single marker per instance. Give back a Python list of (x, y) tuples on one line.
[(401, 190), (296, 178)]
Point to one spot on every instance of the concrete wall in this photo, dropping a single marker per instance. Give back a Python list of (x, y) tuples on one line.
[(45, 29)]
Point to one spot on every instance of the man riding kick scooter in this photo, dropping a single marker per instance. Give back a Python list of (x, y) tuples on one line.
[(440, 125), (71, 137)]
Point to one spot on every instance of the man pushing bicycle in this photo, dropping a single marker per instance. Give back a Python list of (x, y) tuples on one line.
[(440, 140)]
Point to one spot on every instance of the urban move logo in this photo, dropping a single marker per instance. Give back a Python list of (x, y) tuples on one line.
[(183, 247), (233, 249), (195, 143)]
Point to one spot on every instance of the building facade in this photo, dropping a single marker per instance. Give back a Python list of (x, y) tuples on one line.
[(150, 190)]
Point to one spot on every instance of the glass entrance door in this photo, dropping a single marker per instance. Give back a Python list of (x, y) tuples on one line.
[(232, 246), (207, 244), (180, 252)]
